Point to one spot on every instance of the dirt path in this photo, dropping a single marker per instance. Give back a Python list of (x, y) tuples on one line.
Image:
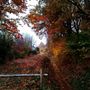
[(28, 65)]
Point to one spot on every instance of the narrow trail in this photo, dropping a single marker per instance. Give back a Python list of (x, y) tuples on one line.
[(29, 64)]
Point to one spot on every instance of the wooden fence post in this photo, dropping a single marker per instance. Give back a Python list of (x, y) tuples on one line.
[(41, 78)]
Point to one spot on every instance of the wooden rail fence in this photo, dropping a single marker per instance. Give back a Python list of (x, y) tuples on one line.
[(26, 75)]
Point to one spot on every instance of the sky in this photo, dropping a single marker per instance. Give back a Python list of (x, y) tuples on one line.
[(24, 29)]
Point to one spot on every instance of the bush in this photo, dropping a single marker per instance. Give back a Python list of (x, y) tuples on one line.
[(81, 47), (79, 50), (21, 48), (6, 42), (81, 82)]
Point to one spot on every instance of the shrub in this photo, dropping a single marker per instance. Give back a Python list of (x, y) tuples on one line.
[(79, 49), (81, 82), (21, 48), (6, 42)]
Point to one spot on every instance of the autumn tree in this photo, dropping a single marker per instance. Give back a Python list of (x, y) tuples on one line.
[(75, 16), (8, 28), (68, 11), (39, 22), (15, 7)]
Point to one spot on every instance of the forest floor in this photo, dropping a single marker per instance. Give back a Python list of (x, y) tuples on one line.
[(60, 71), (32, 65), (27, 65)]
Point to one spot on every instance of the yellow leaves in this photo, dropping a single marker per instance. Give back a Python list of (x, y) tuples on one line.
[(55, 51), (57, 48)]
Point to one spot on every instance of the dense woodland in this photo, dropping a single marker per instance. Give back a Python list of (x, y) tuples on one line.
[(67, 57)]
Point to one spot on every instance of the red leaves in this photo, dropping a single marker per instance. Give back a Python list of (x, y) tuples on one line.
[(41, 18), (12, 28), (39, 22), (18, 2), (33, 62), (36, 18)]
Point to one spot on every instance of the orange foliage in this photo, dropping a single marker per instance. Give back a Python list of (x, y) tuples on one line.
[(52, 28), (36, 18), (56, 27), (39, 22), (21, 4), (18, 2)]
